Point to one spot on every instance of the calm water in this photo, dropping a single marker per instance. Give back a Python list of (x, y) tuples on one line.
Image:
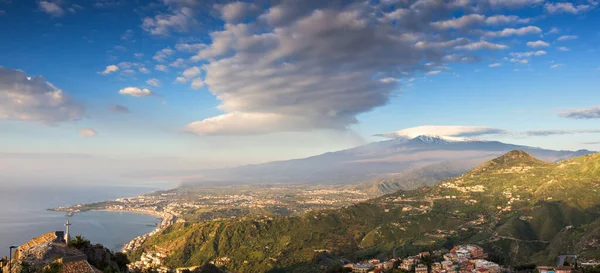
[(23, 214)]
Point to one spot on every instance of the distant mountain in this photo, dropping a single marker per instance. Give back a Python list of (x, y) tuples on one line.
[(379, 161), (518, 208), (416, 177)]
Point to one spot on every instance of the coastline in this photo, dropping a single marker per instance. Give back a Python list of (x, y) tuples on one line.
[(156, 214), (166, 219)]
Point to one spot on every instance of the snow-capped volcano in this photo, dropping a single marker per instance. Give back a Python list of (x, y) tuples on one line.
[(429, 139), (379, 159)]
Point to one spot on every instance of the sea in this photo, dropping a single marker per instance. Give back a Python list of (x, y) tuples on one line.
[(24, 214)]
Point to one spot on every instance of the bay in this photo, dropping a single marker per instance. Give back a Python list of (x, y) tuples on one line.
[(24, 215)]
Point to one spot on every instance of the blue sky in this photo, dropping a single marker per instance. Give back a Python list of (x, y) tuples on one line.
[(217, 83)]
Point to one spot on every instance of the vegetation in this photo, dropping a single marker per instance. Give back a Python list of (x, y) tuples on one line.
[(101, 257), (520, 209)]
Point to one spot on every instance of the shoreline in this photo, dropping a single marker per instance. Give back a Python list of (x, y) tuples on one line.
[(156, 214), (166, 219)]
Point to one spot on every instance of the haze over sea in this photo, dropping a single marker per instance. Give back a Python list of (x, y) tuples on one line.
[(24, 215)]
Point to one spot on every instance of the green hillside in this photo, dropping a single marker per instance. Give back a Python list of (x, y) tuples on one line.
[(520, 209)]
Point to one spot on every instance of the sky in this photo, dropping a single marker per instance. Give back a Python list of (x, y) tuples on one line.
[(177, 84)]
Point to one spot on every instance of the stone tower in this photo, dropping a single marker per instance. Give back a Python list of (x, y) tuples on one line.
[(67, 237)]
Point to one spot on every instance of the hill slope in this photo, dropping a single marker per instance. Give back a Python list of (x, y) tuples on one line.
[(519, 208)]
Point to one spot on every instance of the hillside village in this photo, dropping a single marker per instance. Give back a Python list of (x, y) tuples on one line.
[(459, 259)]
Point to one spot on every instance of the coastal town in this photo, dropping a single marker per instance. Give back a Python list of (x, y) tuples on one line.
[(205, 204), (459, 259)]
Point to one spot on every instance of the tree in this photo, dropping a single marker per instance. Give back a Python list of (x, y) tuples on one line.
[(79, 242), (426, 260), (122, 260)]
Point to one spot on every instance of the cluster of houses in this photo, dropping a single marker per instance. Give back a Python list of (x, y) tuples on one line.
[(154, 260), (460, 259), (150, 260), (558, 269)]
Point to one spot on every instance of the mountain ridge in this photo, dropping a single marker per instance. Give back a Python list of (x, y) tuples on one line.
[(370, 161), (501, 209)]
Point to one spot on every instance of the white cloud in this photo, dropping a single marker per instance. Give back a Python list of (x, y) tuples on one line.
[(180, 62), (514, 3), (192, 72), (559, 132), (34, 99), (553, 30), (433, 72), (183, 47), (160, 67), (87, 132), (567, 37), (461, 22), (582, 113), (520, 61), (52, 8), (179, 17), (494, 65), (110, 69), (136, 92), (389, 80), (163, 54), (145, 70), (506, 19), (538, 43), (451, 132), (556, 66), (138, 55), (154, 82), (521, 55), (127, 35), (566, 7), (235, 12), (197, 83), (127, 72), (237, 123), (395, 15), (181, 80), (563, 48), (515, 31), (481, 45)]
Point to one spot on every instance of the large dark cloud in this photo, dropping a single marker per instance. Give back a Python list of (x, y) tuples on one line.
[(34, 99), (312, 64)]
